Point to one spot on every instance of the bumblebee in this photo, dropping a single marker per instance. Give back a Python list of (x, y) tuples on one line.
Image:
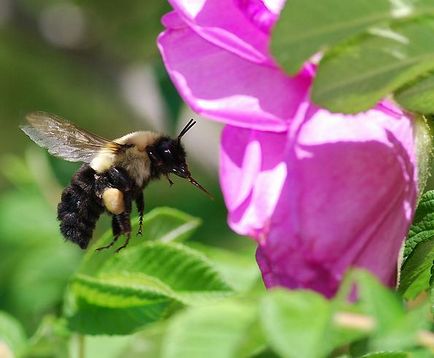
[(113, 175)]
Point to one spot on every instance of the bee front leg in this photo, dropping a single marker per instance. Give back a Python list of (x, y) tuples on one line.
[(140, 203)]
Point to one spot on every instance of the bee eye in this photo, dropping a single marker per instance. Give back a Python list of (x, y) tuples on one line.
[(167, 155)]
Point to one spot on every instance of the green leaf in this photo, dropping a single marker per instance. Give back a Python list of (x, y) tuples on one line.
[(395, 329), (139, 286), (240, 271), (418, 96), (101, 307), (181, 268), (354, 76), (162, 224), (221, 330), (296, 323), (377, 301), (416, 270), (308, 27), (419, 250), (12, 336), (387, 355), (431, 283), (51, 339), (168, 224)]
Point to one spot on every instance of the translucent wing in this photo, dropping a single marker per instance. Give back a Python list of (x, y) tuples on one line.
[(63, 139)]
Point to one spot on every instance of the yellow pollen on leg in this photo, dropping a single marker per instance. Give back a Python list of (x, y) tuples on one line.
[(114, 200)]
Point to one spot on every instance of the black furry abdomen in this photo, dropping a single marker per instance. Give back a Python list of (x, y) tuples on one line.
[(80, 208)]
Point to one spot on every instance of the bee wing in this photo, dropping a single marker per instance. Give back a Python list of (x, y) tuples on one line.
[(63, 139)]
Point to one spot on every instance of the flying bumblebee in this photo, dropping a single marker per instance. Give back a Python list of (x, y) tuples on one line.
[(113, 175)]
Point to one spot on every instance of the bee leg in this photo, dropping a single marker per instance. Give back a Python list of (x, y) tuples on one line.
[(125, 243), (116, 233), (125, 226), (140, 203), (170, 181)]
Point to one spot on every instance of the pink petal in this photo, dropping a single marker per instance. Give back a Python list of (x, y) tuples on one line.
[(223, 23), (263, 14), (252, 175), (347, 199), (223, 86)]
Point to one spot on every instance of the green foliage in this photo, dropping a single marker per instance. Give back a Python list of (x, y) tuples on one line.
[(370, 49), (165, 296), (119, 293), (308, 27), (395, 328), (296, 323), (221, 330), (162, 224), (238, 270), (356, 75), (419, 250), (183, 302), (11, 334), (418, 96)]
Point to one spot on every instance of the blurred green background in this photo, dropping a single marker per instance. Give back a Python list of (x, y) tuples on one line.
[(95, 63)]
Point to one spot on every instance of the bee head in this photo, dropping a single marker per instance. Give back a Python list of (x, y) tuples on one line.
[(168, 157)]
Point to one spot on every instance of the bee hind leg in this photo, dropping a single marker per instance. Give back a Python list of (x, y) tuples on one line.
[(140, 203), (125, 243), (124, 223), (116, 233)]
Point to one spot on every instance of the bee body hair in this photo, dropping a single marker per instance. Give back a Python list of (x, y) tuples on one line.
[(79, 207), (134, 157), (89, 195)]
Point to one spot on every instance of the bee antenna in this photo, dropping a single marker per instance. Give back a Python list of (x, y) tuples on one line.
[(187, 127)]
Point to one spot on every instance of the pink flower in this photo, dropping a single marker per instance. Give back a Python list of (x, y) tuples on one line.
[(334, 191), (319, 192)]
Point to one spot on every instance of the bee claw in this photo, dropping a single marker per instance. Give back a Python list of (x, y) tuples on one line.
[(120, 248), (125, 244), (109, 245)]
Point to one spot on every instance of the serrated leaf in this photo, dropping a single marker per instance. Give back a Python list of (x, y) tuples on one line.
[(179, 267), (296, 323), (162, 224), (168, 224), (222, 330), (418, 96), (416, 270), (419, 249), (239, 271), (431, 283), (100, 307), (308, 27), (355, 75), (140, 286), (12, 336)]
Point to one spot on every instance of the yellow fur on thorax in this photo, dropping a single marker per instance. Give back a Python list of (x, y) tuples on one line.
[(135, 159)]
